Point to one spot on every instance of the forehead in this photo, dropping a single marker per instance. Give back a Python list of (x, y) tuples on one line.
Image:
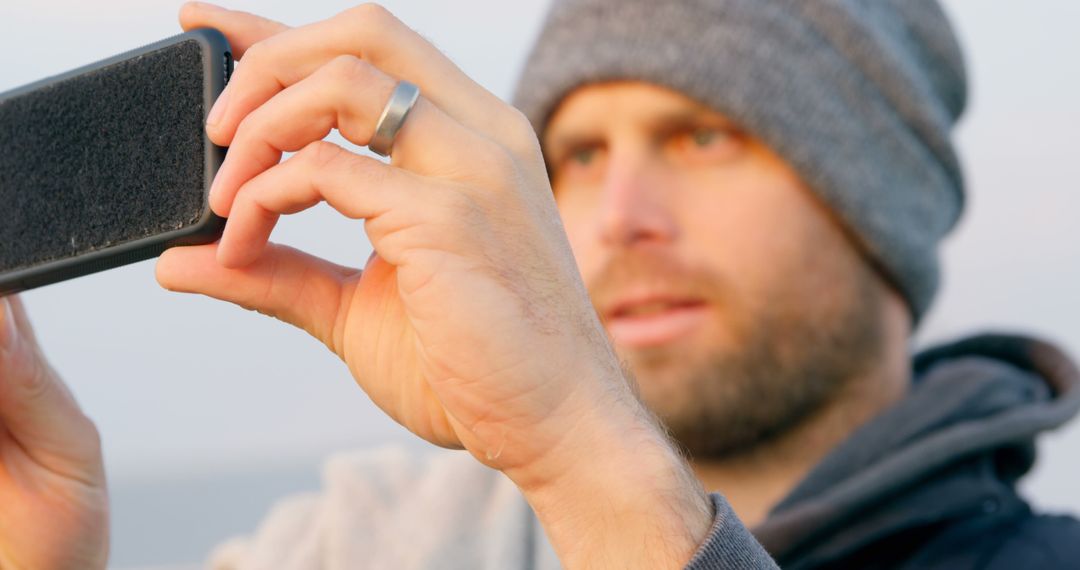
[(603, 106)]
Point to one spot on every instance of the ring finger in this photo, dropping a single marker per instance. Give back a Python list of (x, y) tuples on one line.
[(348, 94), (276, 56)]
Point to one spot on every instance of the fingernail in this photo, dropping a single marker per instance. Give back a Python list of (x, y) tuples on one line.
[(8, 332), (215, 186), (218, 110), (213, 190), (224, 257)]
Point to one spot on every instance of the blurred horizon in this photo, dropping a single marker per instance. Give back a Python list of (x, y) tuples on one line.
[(209, 412)]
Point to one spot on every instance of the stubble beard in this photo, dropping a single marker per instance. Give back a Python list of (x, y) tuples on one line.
[(788, 360)]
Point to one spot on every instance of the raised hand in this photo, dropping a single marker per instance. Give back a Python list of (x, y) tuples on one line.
[(471, 325), (53, 504)]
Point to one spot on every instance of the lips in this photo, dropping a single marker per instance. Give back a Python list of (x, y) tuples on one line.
[(652, 320)]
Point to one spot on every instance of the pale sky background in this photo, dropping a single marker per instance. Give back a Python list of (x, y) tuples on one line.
[(208, 412)]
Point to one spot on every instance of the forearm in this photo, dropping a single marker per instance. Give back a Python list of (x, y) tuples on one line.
[(626, 502), (625, 498)]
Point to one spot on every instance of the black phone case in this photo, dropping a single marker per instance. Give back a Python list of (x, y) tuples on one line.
[(217, 67)]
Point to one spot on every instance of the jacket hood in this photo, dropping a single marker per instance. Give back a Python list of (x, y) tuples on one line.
[(955, 446)]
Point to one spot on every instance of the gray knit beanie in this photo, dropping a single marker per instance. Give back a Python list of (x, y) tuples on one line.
[(858, 96)]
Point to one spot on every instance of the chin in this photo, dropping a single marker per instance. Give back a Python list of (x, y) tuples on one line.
[(666, 372)]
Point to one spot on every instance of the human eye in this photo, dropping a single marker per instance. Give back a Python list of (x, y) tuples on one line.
[(704, 144), (581, 163), (704, 137), (583, 156)]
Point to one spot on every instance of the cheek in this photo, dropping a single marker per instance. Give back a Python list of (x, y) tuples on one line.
[(754, 227)]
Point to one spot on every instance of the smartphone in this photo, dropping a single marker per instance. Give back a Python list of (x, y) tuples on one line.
[(109, 164)]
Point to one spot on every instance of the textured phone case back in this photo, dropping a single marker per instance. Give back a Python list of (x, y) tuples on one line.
[(112, 156)]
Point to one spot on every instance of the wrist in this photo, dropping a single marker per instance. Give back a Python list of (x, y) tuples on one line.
[(617, 492)]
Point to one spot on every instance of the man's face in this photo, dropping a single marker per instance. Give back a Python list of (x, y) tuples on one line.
[(736, 300)]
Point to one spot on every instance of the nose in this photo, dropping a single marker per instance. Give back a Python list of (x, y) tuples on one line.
[(636, 207)]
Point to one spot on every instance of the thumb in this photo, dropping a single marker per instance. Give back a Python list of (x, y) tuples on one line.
[(284, 283), (36, 408)]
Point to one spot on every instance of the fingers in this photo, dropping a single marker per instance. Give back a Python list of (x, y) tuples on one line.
[(14, 315), (284, 283), (357, 186), (36, 408), (367, 31), (242, 29), (349, 94)]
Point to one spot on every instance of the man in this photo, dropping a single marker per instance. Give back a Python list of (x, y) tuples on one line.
[(753, 193)]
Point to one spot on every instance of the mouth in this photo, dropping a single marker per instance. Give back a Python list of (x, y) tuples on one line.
[(654, 320)]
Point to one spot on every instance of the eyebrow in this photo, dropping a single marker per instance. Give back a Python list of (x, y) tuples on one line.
[(685, 119), (570, 142), (665, 124)]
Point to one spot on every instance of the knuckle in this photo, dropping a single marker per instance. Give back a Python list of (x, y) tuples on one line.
[(323, 154), (518, 123), (348, 68), (264, 300), (521, 135), (330, 164), (251, 127), (372, 14), (254, 55), (247, 131), (366, 171), (374, 23), (36, 381)]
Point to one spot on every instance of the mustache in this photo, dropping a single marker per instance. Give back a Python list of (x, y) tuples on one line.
[(625, 272)]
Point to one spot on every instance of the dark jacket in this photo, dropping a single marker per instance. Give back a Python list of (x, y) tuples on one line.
[(931, 483)]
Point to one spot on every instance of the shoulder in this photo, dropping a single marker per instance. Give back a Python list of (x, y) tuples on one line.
[(389, 505), (1036, 541), (1004, 540), (1021, 540)]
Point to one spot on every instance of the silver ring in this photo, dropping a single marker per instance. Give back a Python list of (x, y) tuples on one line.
[(393, 117)]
